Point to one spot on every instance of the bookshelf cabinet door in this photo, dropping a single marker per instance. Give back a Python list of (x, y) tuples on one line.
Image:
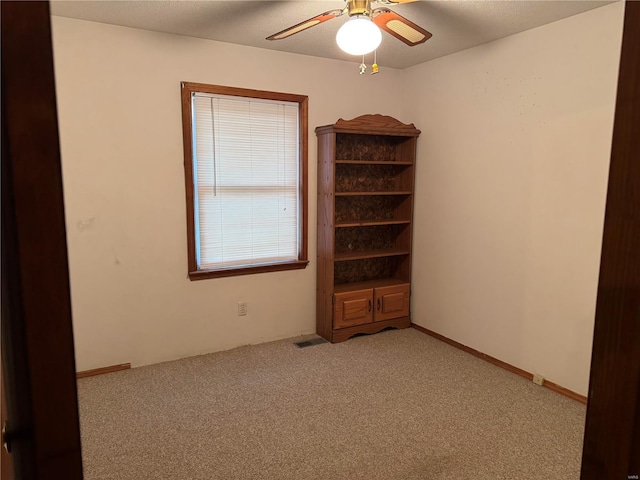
[(391, 302), (353, 308)]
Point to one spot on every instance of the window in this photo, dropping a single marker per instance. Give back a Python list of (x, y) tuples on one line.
[(246, 180)]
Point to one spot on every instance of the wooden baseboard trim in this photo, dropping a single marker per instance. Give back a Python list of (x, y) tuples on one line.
[(518, 371), (100, 371), (565, 391)]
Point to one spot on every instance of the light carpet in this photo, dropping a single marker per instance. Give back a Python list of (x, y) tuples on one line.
[(396, 405)]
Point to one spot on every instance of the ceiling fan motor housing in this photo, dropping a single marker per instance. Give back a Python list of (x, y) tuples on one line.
[(359, 7)]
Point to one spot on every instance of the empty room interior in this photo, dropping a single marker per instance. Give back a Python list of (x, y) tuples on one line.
[(431, 211)]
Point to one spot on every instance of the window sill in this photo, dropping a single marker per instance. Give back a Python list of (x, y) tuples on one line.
[(235, 271)]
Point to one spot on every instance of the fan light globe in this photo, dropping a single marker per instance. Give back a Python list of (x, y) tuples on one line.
[(359, 36)]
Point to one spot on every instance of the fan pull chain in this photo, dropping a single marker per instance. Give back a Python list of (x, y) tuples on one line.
[(374, 67), (363, 67)]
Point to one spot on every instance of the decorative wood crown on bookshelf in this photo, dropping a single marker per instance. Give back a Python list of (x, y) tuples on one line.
[(375, 124)]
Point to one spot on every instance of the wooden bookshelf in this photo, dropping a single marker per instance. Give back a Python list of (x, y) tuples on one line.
[(365, 211)]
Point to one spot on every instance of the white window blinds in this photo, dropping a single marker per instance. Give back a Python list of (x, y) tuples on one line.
[(246, 190)]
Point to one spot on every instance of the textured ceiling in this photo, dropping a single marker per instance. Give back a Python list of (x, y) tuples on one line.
[(456, 25)]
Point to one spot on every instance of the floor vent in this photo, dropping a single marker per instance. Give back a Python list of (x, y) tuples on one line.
[(310, 343)]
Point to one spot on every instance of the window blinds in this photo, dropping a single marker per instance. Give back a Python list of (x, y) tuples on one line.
[(246, 181)]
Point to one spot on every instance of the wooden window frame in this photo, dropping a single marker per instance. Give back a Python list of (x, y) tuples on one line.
[(187, 89)]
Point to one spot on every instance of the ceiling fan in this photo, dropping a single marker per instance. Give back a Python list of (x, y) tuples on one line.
[(361, 34)]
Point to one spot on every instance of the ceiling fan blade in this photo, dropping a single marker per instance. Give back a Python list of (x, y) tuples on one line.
[(323, 17), (398, 26)]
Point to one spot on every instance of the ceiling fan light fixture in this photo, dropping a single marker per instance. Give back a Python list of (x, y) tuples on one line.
[(359, 36)]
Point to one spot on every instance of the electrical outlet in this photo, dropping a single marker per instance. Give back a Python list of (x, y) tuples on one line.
[(538, 379), (242, 309)]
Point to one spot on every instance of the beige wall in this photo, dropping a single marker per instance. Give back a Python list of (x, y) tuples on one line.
[(510, 195), (119, 108)]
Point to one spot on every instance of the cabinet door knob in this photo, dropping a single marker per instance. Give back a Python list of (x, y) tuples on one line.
[(378, 304), (369, 305)]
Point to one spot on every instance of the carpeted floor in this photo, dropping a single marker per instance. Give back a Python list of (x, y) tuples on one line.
[(396, 405)]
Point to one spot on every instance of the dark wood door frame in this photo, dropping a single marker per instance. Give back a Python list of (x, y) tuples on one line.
[(37, 337), (612, 433)]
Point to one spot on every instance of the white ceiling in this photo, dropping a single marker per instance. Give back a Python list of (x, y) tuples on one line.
[(456, 25)]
